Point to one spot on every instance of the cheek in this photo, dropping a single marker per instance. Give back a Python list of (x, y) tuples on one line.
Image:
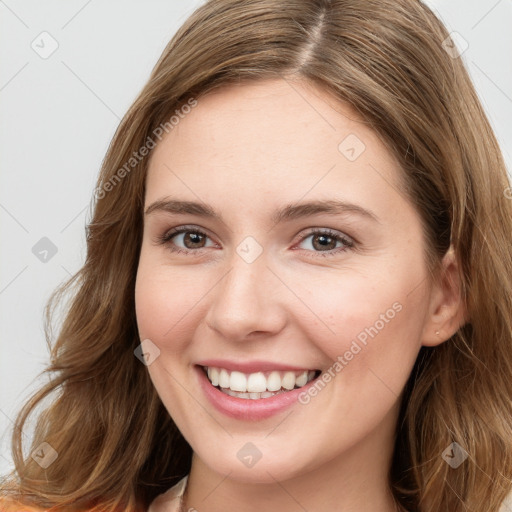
[(165, 301), (361, 308), (165, 315), (336, 312), (376, 324), (369, 327)]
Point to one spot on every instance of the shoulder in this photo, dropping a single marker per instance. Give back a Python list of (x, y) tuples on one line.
[(170, 500)]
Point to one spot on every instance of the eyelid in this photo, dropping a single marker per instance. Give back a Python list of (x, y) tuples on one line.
[(166, 236), (325, 231), (349, 242)]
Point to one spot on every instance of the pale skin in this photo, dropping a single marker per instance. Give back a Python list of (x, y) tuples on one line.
[(246, 151)]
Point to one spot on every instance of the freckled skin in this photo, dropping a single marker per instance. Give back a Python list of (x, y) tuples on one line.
[(247, 150)]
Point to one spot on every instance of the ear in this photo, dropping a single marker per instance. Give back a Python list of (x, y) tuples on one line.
[(447, 312)]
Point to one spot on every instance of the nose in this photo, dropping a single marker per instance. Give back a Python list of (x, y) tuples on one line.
[(247, 302)]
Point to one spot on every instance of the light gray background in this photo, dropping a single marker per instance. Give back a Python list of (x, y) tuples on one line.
[(59, 114)]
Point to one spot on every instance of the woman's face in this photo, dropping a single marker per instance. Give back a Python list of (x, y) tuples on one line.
[(298, 254)]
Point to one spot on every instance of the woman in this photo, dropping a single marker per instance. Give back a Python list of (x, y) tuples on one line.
[(298, 283)]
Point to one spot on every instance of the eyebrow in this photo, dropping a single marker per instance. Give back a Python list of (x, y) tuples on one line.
[(288, 213)]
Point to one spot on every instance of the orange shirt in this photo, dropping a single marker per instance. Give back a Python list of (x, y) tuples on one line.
[(168, 501), (14, 506)]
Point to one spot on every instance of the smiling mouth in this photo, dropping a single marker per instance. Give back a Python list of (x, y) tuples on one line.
[(254, 386)]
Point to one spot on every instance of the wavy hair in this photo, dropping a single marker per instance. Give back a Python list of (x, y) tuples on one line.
[(117, 446)]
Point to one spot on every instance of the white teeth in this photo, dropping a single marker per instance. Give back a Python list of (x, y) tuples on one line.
[(238, 381), (213, 375), (223, 379), (301, 380), (250, 396), (274, 381), (257, 385), (288, 381)]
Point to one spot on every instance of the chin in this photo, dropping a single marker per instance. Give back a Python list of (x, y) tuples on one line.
[(257, 461)]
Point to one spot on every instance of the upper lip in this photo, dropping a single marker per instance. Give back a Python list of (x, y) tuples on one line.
[(251, 366)]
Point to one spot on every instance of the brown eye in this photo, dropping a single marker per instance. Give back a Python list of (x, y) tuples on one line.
[(193, 240), (324, 241), (184, 239)]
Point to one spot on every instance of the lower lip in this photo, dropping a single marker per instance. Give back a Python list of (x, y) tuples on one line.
[(247, 408)]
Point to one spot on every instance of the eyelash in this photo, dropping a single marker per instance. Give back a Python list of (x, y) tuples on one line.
[(165, 239)]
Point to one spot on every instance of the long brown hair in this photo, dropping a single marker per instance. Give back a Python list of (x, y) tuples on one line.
[(117, 446)]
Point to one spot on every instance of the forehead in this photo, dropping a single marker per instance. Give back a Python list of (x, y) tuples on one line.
[(276, 139)]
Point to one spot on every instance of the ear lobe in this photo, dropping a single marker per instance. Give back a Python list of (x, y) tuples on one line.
[(447, 311)]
